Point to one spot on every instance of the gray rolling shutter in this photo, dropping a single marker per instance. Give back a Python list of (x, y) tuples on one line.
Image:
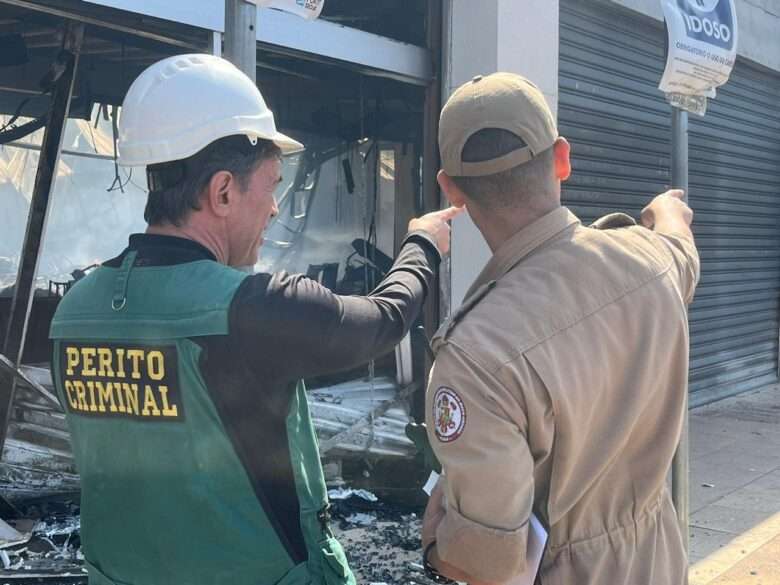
[(619, 125)]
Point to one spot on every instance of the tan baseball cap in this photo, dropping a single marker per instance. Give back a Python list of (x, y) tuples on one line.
[(504, 101)]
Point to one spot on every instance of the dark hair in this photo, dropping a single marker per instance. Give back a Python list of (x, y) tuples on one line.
[(176, 187), (507, 188)]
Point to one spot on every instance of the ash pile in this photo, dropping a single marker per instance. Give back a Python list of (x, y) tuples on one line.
[(381, 538), (41, 543)]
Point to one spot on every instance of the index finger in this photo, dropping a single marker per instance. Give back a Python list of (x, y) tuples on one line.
[(449, 213), (676, 193)]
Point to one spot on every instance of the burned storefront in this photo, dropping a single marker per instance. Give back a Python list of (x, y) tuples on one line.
[(355, 86)]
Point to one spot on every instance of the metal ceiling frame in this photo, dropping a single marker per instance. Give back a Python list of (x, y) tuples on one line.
[(51, 147), (84, 19), (279, 32), (370, 53)]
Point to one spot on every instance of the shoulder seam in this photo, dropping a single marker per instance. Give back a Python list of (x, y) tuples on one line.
[(468, 353), (493, 373), (538, 341), (529, 346)]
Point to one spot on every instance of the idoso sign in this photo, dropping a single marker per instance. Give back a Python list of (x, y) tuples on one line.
[(702, 45)]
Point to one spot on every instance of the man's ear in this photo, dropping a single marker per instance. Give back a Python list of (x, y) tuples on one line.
[(451, 191), (220, 193), (561, 156)]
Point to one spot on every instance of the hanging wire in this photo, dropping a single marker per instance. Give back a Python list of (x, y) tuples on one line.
[(117, 184), (366, 228), (372, 231), (11, 131), (340, 138), (367, 233), (91, 133), (15, 117), (129, 177)]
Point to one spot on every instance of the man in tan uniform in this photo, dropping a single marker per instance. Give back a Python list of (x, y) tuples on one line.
[(558, 386)]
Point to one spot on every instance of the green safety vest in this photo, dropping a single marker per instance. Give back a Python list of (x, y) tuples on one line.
[(165, 497)]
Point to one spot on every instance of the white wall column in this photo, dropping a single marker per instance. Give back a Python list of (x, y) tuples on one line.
[(481, 38)]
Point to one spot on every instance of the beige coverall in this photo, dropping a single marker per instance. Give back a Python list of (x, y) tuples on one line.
[(558, 388)]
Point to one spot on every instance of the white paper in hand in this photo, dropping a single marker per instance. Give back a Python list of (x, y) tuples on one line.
[(537, 538), (431, 483)]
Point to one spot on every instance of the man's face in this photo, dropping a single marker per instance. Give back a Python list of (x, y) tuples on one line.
[(256, 206)]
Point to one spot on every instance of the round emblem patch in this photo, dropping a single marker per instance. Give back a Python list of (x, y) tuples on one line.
[(449, 414)]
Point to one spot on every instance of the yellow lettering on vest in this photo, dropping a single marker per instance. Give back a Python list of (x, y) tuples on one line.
[(72, 355), (120, 396), (105, 368), (155, 363), (105, 394), (92, 402), (167, 410), (120, 363), (136, 355), (150, 404), (131, 397), (81, 394), (88, 358), (70, 393)]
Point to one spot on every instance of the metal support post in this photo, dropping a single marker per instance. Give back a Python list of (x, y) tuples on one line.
[(241, 36), (680, 150), (430, 198), (24, 290), (680, 465), (445, 83), (216, 43)]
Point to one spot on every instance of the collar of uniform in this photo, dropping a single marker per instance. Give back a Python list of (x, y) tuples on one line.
[(159, 250), (521, 245), (138, 241)]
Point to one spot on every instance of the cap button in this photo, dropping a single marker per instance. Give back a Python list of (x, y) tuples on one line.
[(476, 79)]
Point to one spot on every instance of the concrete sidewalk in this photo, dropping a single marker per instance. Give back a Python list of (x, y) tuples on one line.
[(735, 491)]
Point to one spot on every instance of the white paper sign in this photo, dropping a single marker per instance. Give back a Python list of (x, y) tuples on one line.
[(433, 479), (537, 538), (308, 9), (702, 45)]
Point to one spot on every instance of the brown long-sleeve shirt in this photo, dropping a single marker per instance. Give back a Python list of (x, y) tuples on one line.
[(558, 388)]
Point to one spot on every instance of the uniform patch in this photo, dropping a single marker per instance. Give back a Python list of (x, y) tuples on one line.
[(449, 414), (110, 380)]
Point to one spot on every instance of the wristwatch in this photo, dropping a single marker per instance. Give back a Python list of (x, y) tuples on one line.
[(430, 570)]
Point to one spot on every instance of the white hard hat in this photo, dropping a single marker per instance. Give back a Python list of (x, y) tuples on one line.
[(181, 104)]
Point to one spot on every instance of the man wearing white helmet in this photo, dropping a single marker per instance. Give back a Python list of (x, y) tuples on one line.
[(181, 375)]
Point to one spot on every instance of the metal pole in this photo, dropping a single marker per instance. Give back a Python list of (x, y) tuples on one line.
[(430, 196), (24, 290), (216, 43), (241, 36), (680, 465), (445, 85)]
